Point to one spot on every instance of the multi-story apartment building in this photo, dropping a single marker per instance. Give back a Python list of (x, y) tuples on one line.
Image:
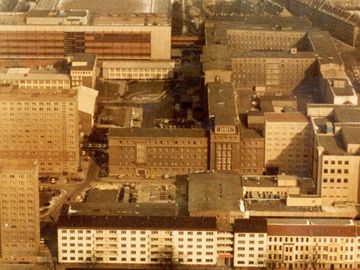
[(137, 240), (41, 125), (156, 151), (296, 244), (250, 243), (336, 159), (224, 120), (268, 57), (340, 23), (19, 212), (275, 71), (58, 33), (287, 143), (138, 70)]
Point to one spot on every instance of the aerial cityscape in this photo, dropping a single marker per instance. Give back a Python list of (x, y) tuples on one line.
[(179, 134)]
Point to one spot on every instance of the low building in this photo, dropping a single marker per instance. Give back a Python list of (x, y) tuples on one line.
[(216, 194), (41, 78), (137, 240), (138, 70), (157, 151)]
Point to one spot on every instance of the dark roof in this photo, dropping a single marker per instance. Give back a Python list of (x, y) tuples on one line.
[(214, 191), (222, 104), (56, 13), (289, 230), (90, 60), (138, 223), (252, 225), (157, 132)]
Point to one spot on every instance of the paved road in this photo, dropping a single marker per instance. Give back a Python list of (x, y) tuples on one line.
[(54, 211)]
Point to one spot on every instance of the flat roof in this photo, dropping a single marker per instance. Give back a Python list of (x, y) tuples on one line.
[(347, 90), (87, 58), (216, 57), (222, 106), (324, 47), (8, 92), (57, 13), (211, 191), (273, 54), (333, 144), (351, 135), (285, 117), (113, 6), (138, 223), (347, 114), (157, 132), (138, 64), (32, 74)]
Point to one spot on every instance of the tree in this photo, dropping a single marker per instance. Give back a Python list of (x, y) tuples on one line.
[(167, 259)]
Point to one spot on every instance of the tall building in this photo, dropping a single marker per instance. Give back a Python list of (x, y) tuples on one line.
[(110, 34), (19, 212), (43, 125), (287, 143)]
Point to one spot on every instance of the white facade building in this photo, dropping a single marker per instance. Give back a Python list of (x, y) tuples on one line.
[(138, 70), (137, 240)]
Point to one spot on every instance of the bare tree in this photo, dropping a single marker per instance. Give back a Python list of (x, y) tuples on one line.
[(168, 259)]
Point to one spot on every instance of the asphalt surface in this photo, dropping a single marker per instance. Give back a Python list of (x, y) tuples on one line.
[(69, 191)]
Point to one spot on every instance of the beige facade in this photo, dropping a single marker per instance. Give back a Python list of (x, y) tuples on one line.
[(110, 37), (336, 159), (287, 143), (27, 78), (41, 125), (19, 212)]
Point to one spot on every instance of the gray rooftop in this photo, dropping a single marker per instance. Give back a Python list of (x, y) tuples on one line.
[(332, 144), (324, 47), (213, 191), (347, 114), (222, 104), (351, 135), (216, 57)]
